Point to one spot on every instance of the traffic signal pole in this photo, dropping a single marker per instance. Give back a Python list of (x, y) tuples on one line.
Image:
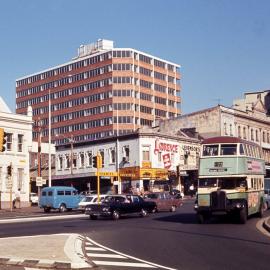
[(98, 177), (10, 188)]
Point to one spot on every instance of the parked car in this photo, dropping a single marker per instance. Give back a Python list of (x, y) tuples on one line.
[(114, 206), (267, 197), (90, 199), (164, 201), (59, 197), (33, 198)]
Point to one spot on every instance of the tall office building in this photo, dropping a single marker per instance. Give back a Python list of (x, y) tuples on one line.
[(101, 92)]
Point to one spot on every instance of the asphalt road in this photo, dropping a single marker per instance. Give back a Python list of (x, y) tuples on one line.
[(174, 240)]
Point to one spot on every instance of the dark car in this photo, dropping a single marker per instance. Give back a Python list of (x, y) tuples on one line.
[(164, 201), (114, 206)]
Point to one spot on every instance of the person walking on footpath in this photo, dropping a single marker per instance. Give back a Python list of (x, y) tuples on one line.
[(17, 199), (191, 190)]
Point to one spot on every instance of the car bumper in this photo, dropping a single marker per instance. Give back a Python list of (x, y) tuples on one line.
[(98, 214)]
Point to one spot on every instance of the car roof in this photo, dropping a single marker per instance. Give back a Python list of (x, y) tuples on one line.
[(59, 188)]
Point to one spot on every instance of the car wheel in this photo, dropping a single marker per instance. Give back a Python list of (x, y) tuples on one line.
[(47, 209), (93, 217), (143, 213), (115, 215), (62, 208), (173, 208)]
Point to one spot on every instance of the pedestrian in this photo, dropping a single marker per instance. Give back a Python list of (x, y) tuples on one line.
[(17, 199), (191, 190)]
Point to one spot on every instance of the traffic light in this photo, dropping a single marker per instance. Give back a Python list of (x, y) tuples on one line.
[(95, 161), (9, 170), (3, 140)]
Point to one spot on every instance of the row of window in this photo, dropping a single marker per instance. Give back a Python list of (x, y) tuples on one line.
[(73, 103), (231, 149), (54, 72), (93, 60), (81, 113), (254, 134), (85, 159), (90, 86), (79, 126), (10, 139)]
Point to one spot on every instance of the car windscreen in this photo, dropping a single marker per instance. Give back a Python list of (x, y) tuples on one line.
[(87, 199)]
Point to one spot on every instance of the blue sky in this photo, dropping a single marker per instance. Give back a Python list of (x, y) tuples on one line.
[(222, 46)]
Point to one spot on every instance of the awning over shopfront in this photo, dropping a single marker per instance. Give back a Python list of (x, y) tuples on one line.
[(137, 173)]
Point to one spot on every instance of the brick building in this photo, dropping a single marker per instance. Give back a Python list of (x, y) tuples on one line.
[(104, 91)]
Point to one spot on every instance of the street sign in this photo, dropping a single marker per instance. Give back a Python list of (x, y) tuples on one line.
[(9, 183), (39, 181), (107, 174), (44, 181)]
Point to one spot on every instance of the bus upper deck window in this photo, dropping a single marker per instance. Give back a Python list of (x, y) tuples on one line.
[(210, 150), (241, 149), (228, 149)]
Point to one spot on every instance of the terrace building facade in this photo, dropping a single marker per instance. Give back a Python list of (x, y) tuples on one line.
[(102, 92)]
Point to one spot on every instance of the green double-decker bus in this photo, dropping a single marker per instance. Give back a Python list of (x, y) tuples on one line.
[(231, 179)]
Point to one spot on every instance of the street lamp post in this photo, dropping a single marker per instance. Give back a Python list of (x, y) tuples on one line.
[(50, 134)]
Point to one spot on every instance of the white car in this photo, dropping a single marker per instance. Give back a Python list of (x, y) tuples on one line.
[(33, 198), (90, 199)]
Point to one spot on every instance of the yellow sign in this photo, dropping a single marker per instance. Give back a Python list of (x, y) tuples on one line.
[(107, 174), (146, 164), (138, 173)]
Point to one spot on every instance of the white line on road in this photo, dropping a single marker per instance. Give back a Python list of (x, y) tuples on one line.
[(131, 257), (104, 255), (30, 219), (144, 265), (94, 248)]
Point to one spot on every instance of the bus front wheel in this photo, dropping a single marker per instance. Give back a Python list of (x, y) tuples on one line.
[(243, 215), (261, 210), (201, 218)]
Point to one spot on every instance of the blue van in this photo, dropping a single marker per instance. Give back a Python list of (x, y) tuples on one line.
[(58, 197)]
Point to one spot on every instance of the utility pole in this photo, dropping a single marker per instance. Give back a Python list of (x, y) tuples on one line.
[(39, 154)]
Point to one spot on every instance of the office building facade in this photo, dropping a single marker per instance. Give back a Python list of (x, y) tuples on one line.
[(104, 91)]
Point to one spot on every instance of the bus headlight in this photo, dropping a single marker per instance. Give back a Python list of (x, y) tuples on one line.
[(238, 205)]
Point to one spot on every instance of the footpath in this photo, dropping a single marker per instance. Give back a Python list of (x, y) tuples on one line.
[(266, 224), (58, 251)]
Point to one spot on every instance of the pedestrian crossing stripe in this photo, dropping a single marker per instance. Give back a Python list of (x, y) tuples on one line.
[(144, 265), (104, 252)]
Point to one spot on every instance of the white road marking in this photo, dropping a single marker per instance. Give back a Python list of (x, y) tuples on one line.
[(144, 265), (128, 256), (104, 255), (95, 248), (30, 219)]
